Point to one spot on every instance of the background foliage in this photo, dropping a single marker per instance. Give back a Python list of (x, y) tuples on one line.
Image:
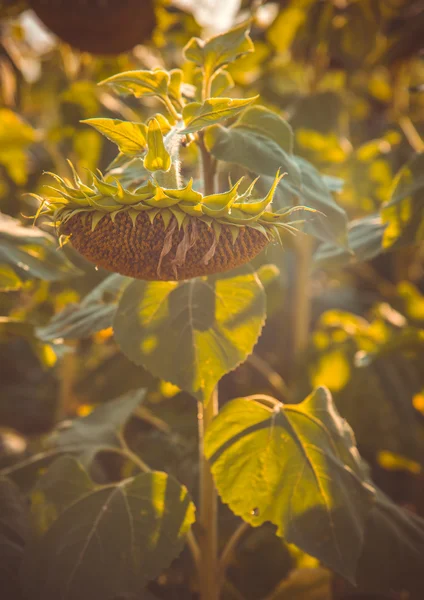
[(348, 78)]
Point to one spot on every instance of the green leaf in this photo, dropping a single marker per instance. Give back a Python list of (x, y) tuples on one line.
[(392, 558), (130, 137), (199, 115), (219, 50), (221, 82), (140, 83), (260, 140), (30, 253), (268, 123), (404, 212), (211, 325), (105, 540), (252, 150), (330, 223), (48, 499), (364, 239), (14, 531), (157, 157), (100, 430), (296, 466), (93, 314)]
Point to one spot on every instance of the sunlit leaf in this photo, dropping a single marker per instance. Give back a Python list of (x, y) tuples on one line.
[(210, 324), (108, 540), (140, 83), (219, 50), (199, 115), (130, 137), (157, 157), (296, 466)]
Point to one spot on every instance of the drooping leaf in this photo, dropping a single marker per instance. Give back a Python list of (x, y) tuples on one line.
[(220, 50), (105, 541), (140, 83), (404, 212), (364, 240), (29, 253), (94, 313), (211, 325), (100, 430), (157, 157), (130, 137), (14, 531), (199, 115), (298, 467)]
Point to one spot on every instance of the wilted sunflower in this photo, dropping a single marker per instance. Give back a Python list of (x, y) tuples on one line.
[(156, 233)]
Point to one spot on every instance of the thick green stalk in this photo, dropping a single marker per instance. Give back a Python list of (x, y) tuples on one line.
[(208, 539)]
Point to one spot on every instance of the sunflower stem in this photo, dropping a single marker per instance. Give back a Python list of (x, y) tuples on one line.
[(208, 538)]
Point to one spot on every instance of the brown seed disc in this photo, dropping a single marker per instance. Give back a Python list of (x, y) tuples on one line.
[(98, 26), (138, 250)]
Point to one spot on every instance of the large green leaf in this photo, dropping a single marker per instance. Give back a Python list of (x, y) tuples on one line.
[(193, 332), (296, 466), (104, 541), (365, 237), (27, 253), (219, 50), (93, 314), (404, 212), (260, 141), (130, 137), (198, 115), (14, 531), (100, 430)]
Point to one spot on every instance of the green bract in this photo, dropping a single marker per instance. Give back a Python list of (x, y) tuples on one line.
[(103, 197)]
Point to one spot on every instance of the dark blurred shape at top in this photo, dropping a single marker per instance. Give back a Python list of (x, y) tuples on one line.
[(98, 26)]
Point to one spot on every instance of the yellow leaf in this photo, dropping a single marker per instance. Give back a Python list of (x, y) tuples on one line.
[(130, 137), (157, 157)]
